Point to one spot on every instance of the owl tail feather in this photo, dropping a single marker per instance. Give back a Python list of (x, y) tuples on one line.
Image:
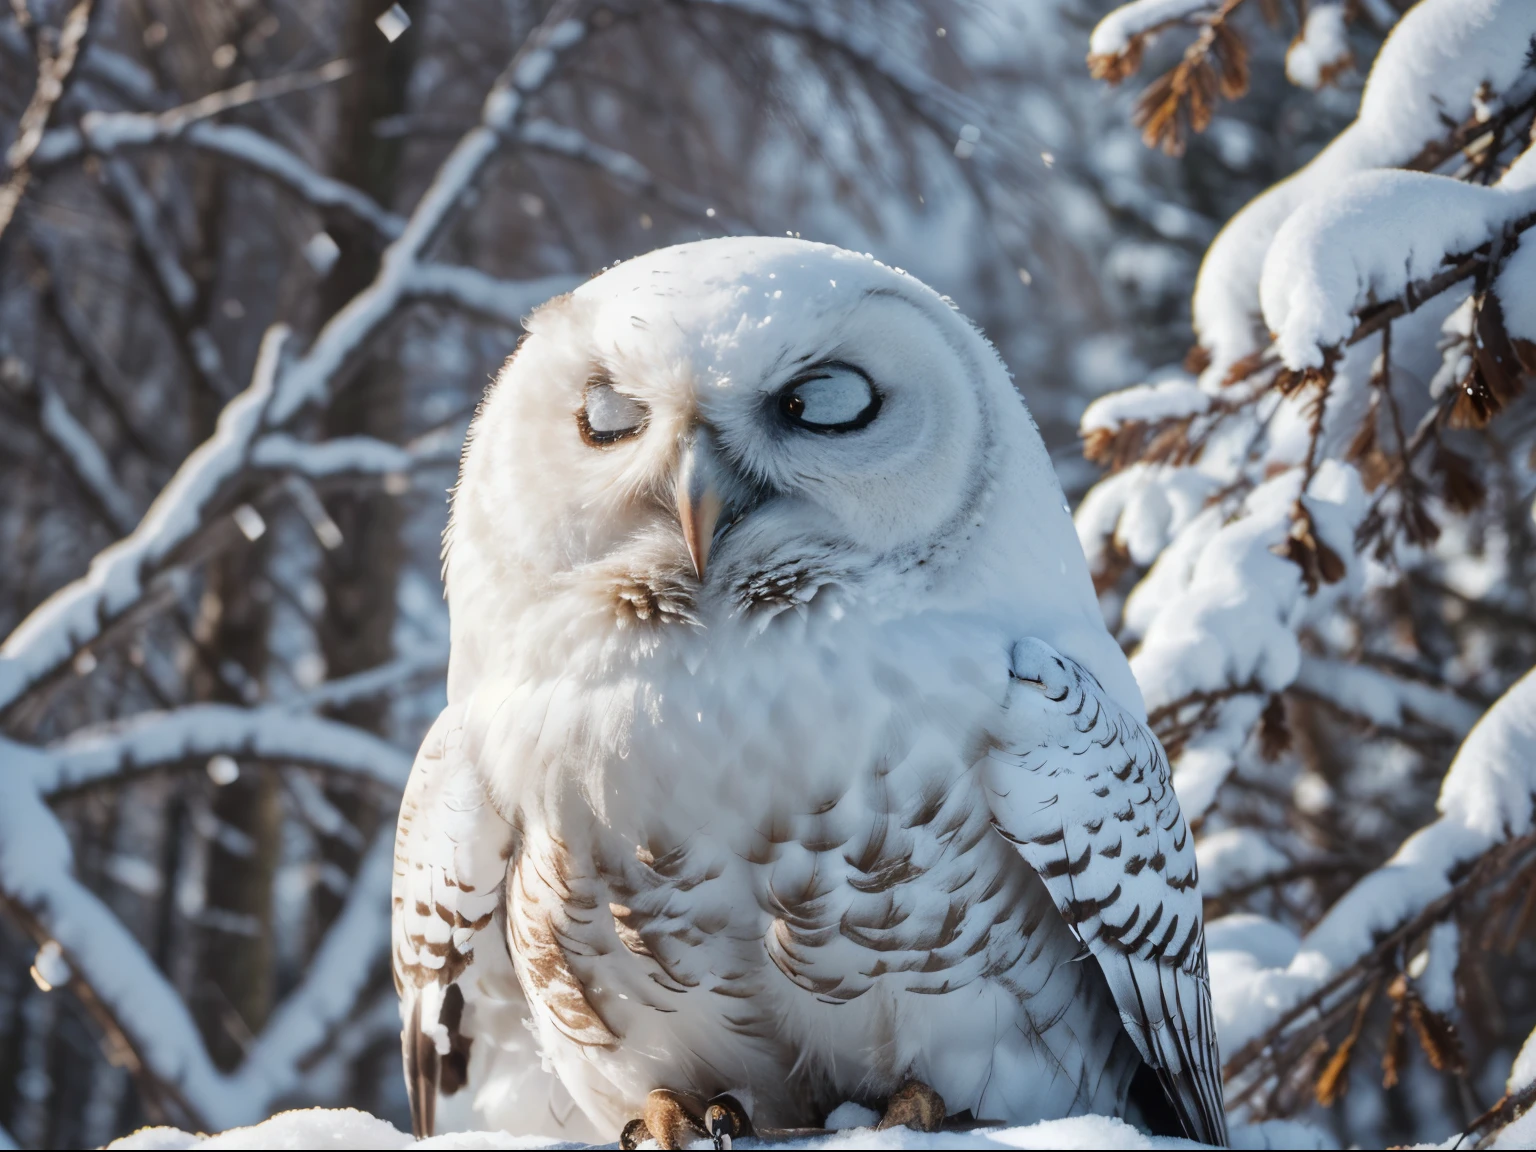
[(421, 1068)]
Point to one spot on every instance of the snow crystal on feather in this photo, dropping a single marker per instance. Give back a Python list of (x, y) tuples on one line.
[(1342, 251), (1428, 71)]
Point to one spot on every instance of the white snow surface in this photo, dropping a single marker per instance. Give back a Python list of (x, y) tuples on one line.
[(348, 1128), (1235, 620)]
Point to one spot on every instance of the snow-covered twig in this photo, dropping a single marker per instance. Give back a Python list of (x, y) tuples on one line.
[(1122, 27), (120, 576), (1386, 701), (176, 286), (337, 456), (85, 459), (103, 375), (942, 107), (108, 133), (115, 976)]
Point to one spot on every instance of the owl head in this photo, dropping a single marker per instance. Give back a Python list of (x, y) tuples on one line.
[(719, 430)]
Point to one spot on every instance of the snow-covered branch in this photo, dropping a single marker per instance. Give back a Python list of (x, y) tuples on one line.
[(85, 459), (374, 681), (313, 375), (1117, 32), (341, 455), (1386, 701), (1339, 253), (119, 577), (196, 732), (1486, 803), (102, 957), (1430, 70), (110, 133)]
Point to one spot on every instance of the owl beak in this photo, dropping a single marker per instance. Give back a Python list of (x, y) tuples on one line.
[(698, 498)]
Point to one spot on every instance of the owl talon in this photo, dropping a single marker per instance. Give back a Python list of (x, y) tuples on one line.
[(672, 1119), (914, 1105), (635, 1133), (726, 1120)]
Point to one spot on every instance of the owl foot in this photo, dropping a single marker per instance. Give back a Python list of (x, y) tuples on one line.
[(726, 1120), (914, 1105), (676, 1119)]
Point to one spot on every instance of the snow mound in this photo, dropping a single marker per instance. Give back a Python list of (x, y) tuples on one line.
[(351, 1129)]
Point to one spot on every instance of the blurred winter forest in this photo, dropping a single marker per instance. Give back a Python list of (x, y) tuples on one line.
[(259, 258)]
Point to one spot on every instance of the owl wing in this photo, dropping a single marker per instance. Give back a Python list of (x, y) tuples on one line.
[(1081, 787), (451, 851)]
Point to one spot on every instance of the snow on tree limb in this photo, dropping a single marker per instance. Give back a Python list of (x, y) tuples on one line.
[(55, 70), (1322, 49), (36, 879), (197, 731), (119, 576), (374, 681), (1486, 801), (1386, 701), (1235, 621), (1340, 252), (338, 455), (1430, 69), (941, 106)]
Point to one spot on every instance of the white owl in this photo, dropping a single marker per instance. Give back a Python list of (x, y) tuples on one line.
[(787, 756)]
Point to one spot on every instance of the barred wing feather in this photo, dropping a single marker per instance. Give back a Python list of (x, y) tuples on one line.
[(1081, 787), (451, 851)]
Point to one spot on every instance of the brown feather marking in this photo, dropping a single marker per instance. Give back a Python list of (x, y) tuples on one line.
[(544, 965)]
